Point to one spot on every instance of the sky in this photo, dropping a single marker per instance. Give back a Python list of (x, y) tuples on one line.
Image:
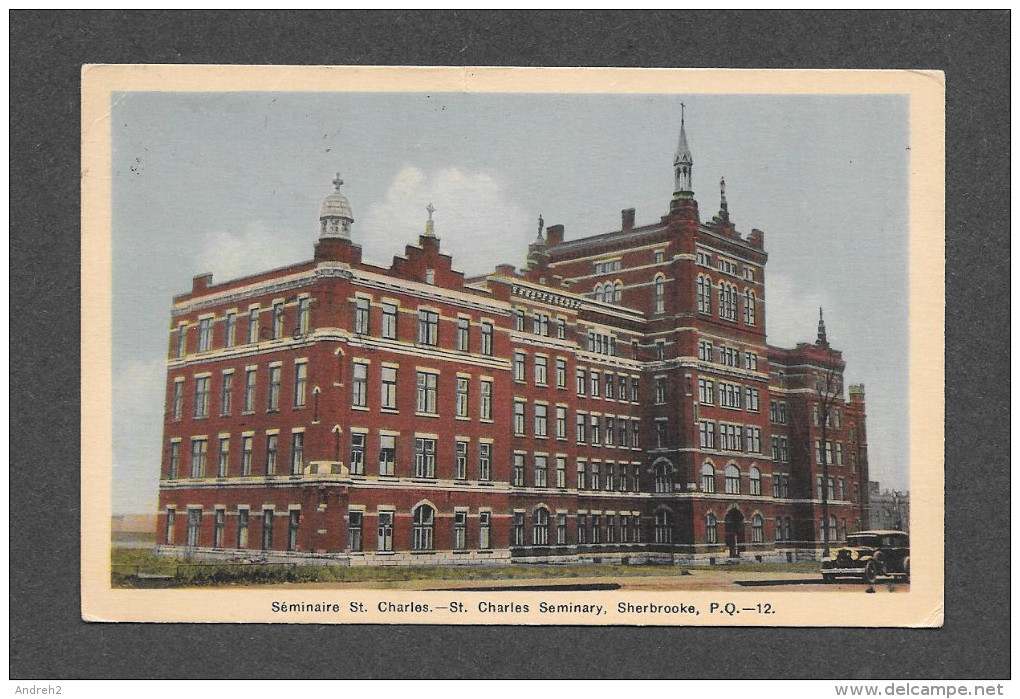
[(231, 183)]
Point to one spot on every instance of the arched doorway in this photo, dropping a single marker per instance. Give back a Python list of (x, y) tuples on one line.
[(734, 531)]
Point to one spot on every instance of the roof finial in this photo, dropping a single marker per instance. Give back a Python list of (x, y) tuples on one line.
[(683, 161), (723, 206), (430, 225), (337, 182), (541, 226), (821, 330)]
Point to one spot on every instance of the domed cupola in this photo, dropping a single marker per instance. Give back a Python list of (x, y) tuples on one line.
[(335, 218)]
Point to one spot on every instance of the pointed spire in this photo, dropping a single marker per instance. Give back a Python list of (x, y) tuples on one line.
[(724, 209), (821, 341), (430, 226), (683, 163)]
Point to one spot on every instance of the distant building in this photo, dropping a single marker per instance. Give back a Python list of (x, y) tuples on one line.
[(890, 509), (614, 399)]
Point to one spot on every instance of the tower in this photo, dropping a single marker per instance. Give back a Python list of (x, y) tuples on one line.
[(683, 164), (335, 217)]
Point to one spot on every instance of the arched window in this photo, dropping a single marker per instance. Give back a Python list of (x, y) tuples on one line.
[(540, 527), (663, 477), (707, 478), (617, 292), (755, 482), (704, 294), (832, 528), (779, 528), (749, 307), (663, 531), (732, 480), (609, 292), (600, 294), (757, 529), (711, 529), (660, 293), (424, 528)]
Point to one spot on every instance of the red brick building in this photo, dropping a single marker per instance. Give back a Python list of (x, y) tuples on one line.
[(615, 399)]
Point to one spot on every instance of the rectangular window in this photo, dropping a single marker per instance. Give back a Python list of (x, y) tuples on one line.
[(561, 472), (581, 469), (596, 529), (357, 462), (362, 310), (205, 334), (171, 519), (561, 529), (178, 407), (487, 339), (274, 388), (463, 389), (635, 434), (753, 435), (300, 383), (610, 384), (582, 529), (304, 319), (175, 460), (253, 326), (387, 454), (610, 476), (226, 393), (610, 433), (463, 334), (582, 428), (784, 449), (424, 458), (388, 388), (223, 462), (242, 529), (775, 448), (484, 529), (517, 532), (541, 420), (427, 390), (706, 391), (561, 373), (485, 410), (519, 367), (519, 320), (660, 390), (247, 444), (220, 522), (182, 340), (294, 523), (623, 388), (389, 321), (541, 371), (518, 417), (202, 397), (384, 541), (199, 449), (751, 361), (359, 385), (428, 328), (485, 461), (623, 478), (541, 471), (460, 466), (582, 381), (297, 453), (624, 432), (271, 442), (460, 530), (356, 531), (518, 474), (249, 391), (751, 399), (194, 526), (596, 383), (277, 321), (561, 422), (594, 431), (593, 476)]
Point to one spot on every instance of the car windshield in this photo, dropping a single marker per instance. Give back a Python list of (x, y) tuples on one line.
[(863, 540)]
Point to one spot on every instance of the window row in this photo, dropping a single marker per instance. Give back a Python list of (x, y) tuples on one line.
[(277, 328), (729, 437), (729, 395), (245, 519), (729, 297), (727, 356), (426, 391), (731, 480), (540, 324), (608, 476), (202, 399), (610, 292), (833, 452), (464, 463), (833, 418), (609, 386), (205, 457), (836, 489), (757, 529), (777, 412), (426, 328), (605, 431)]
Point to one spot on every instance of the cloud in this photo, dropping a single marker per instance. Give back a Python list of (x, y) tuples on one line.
[(229, 255), (477, 220)]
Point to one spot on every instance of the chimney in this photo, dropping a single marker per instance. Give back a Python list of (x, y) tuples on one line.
[(756, 239), (506, 270), (628, 219), (201, 282), (554, 235)]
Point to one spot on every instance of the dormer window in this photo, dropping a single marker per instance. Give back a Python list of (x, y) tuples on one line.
[(430, 276)]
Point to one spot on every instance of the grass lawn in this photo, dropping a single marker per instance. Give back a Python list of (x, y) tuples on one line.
[(181, 573)]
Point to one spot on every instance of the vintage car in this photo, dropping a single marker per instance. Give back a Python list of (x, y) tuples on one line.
[(867, 555)]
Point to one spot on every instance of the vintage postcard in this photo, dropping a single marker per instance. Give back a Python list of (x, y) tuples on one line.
[(512, 346)]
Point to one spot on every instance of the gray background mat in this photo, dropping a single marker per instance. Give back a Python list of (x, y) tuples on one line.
[(47, 637)]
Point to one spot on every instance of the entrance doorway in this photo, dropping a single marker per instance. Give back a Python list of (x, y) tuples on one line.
[(734, 531)]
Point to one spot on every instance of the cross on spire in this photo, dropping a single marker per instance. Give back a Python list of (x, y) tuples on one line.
[(430, 229), (337, 182), (431, 209)]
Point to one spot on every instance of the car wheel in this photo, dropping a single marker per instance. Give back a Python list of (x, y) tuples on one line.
[(870, 573)]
